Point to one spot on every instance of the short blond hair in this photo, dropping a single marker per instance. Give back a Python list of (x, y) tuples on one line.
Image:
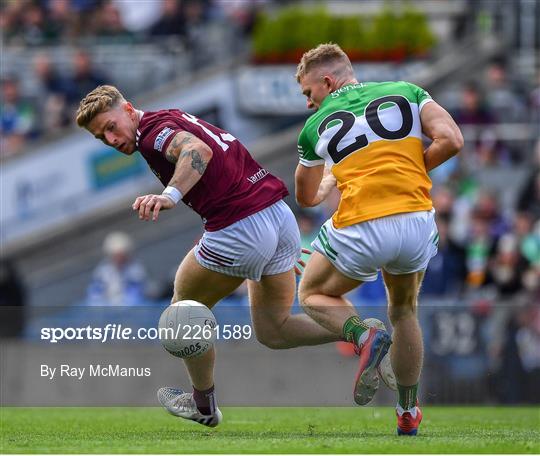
[(323, 54), (102, 99)]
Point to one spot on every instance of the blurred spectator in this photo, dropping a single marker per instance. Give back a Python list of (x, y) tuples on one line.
[(474, 114), (522, 225), (534, 104), (446, 272), (10, 12), (529, 197), (530, 245), (85, 77), (107, 24), (48, 80), (487, 207), (507, 267), (51, 92), (531, 282), (188, 20), (487, 225), (443, 203), (462, 208), (83, 6), (12, 300), (242, 13), (195, 14), (61, 20), (478, 250), (139, 15), (501, 96), (464, 20), (17, 119), (172, 20), (473, 109), (119, 279), (33, 25)]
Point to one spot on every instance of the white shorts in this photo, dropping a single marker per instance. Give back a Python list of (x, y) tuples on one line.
[(400, 244), (265, 243)]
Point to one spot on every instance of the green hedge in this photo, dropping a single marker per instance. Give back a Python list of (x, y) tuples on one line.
[(396, 33)]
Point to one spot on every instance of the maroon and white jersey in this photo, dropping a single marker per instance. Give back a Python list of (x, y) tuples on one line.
[(233, 186)]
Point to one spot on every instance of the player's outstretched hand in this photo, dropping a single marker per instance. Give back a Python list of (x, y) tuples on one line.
[(150, 205), (301, 262)]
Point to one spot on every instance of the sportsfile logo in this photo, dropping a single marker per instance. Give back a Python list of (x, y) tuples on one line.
[(258, 176), (117, 332), (161, 137)]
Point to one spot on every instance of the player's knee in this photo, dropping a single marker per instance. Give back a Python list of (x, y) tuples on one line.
[(397, 312), (303, 297), (271, 339), (275, 343), (309, 307)]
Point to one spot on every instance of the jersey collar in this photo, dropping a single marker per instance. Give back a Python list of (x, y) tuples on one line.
[(329, 96)]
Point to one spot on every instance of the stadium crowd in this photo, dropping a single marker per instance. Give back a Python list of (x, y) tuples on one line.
[(43, 103), (49, 22), (490, 235)]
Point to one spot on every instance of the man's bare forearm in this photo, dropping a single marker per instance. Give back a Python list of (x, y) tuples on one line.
[(438, 152), (447, 139)]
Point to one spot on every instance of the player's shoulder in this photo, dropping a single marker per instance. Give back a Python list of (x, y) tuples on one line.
[(165, 121), (412, 92), (304, 133), (155, 127), (311, 126), (310, 121), (385, 87), (151, 118)]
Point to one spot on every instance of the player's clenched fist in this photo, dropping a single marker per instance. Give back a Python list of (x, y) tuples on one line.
[(152, 204)]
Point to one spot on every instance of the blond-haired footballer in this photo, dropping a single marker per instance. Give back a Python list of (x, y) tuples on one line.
[(250, 233), (370, 136)]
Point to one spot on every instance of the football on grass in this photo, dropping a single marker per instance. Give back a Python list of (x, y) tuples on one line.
[(187, 329)]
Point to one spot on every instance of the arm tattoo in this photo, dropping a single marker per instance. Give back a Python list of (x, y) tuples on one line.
[(197, 162), (170, 156), (172, 152)]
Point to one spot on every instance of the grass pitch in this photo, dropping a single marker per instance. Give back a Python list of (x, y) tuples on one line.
[(269, 430)]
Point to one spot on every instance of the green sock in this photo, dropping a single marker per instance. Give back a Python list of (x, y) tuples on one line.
[(353, 329), (407, 396)]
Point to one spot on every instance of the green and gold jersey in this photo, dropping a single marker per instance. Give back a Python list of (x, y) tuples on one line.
[(371, 137)]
